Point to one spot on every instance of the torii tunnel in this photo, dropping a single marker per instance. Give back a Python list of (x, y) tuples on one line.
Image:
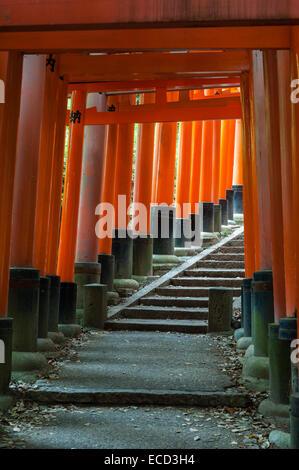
[(112, 109)]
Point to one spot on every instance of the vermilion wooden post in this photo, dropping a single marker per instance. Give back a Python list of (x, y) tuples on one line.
[(11, 74), (91, 185), (163, 189), (144, 169), (56, 179), (70, 208), (274, 168), (45, 167), (284, 75), (205, 191), (230, 154), (184, 168), (196, 164), (123, 175), (238, 167), (216, 160), (25, 194), (254, 175), (295, 151), (263, 194), (249, 234), (105, 244), (223, 158)]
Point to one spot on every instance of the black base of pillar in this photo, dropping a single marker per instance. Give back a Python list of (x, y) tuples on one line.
[(143, 256), (23, 300), (54, 302), (122, 249), (230, 204), (5, 353), (44, 304), (238, 198), (182, 232), (294, 421), (86, 273), (223, 204), (246, 306), (107, 270), (67, 304), (196, 229), (262, 309), (217, 218), (207, 216), (162, 229)]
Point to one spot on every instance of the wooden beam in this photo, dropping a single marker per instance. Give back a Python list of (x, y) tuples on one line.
[(151, 85), (111, 40), (43, 13), (79, 67), (201, 110)]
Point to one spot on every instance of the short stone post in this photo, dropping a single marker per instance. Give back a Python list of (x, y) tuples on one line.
[(43, 312), (220, 309), (288, 333), (279, 375), (230, 205), (107, 270), (217, 218), (95, 305), (224, 219), (263, 310), (142, 256), (44, 343), (5, 353), (54, 303), (294, 421)]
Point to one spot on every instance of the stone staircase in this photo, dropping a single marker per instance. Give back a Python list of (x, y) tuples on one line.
[(180, 304)]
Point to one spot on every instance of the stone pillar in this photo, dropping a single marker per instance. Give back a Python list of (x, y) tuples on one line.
[(5, 353), (208, 216), (95, 305), (122, 250), (256, 366), (238, 198), (230, 205), (162, 229), (223, 205), (220, 309), (107, 263), (217, 218), (142, 256), (294, 421)]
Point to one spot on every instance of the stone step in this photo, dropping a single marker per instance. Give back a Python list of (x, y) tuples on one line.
[(236, 242), (226, 273), (150, 311), (226, 257), (178, 326), (167, 301), (206, 281), (189, 291), (214, 264), (231, 249), (138, 397)]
